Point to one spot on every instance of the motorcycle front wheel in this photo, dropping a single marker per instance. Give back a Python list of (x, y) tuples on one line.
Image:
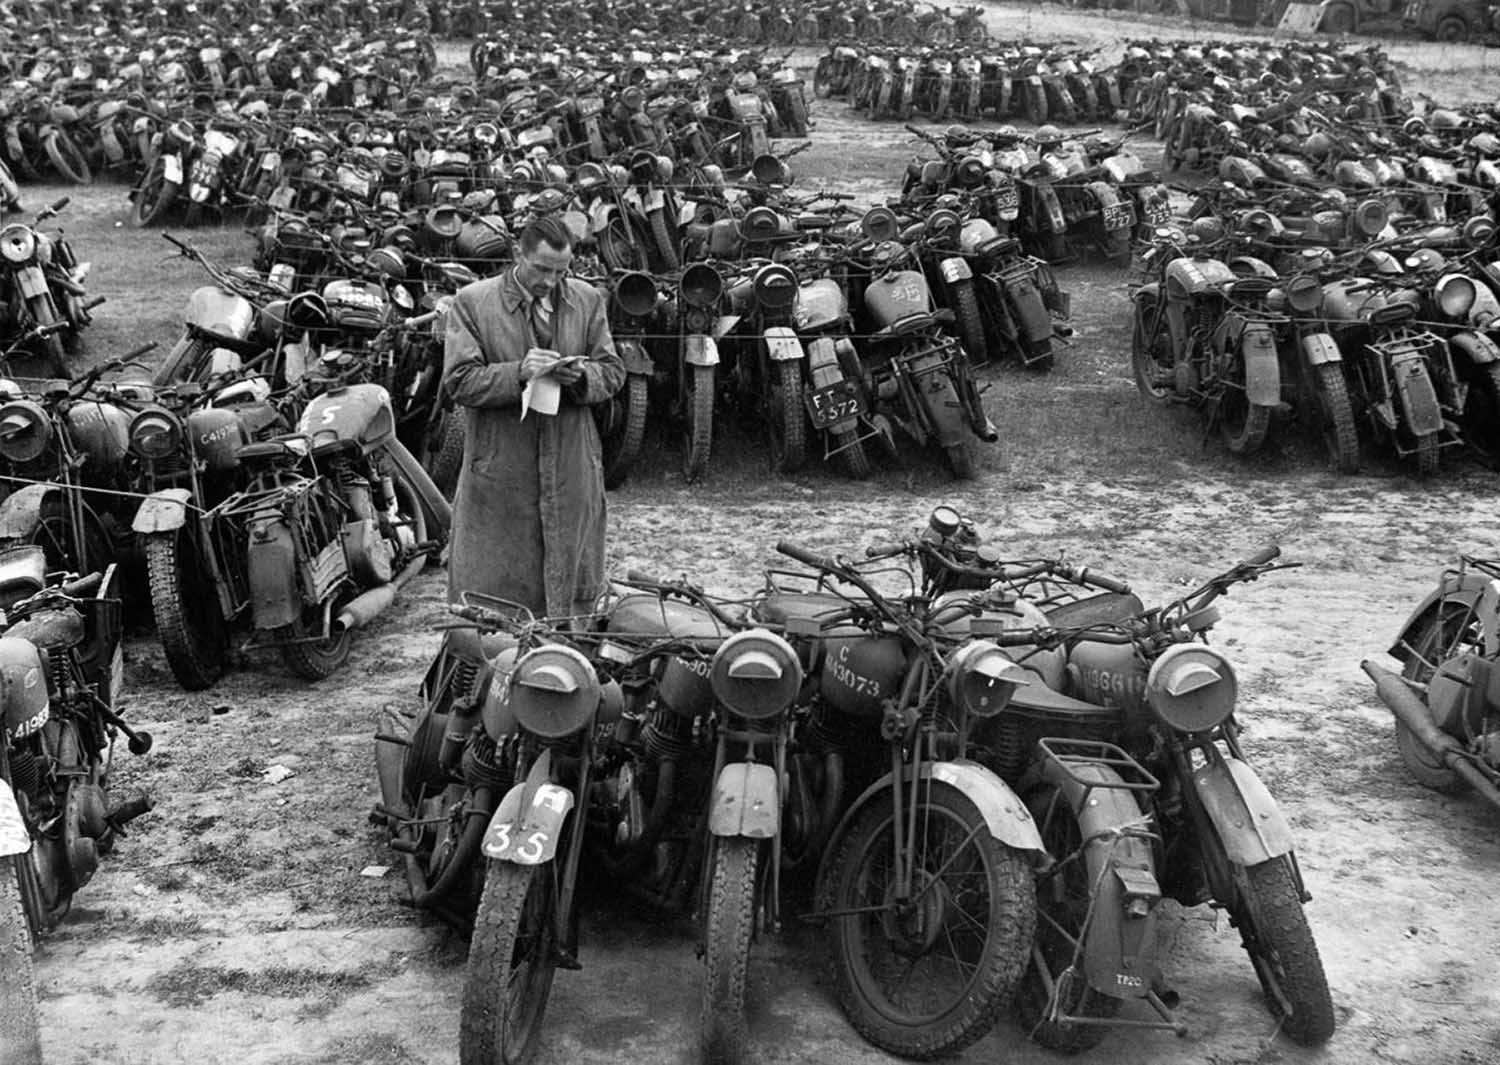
[(727, 933), (785, 419), (155, 196), (67, 160), (1145, 348), (1281, 947), (928, 976), (186, 608), (512, 960), (623, 445), (18, 1009), (1336, 421), (698, 419)]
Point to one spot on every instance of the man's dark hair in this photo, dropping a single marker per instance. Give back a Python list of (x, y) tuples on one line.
[(547, 228)]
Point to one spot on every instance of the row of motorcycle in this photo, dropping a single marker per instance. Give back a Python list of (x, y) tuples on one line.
[(980, 777)]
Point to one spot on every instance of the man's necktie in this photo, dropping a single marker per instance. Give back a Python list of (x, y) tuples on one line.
[(541, 324)]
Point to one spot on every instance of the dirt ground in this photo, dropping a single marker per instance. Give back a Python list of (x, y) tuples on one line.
[(254, 922)]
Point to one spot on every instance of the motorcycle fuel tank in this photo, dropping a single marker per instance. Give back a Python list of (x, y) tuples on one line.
[(358, 413), (1190, 277), (217, 436), (102, 432), (683, 685), (898, 295), (1110, 675), (820, 304), (23, 688), (861, 671), (220, 313)]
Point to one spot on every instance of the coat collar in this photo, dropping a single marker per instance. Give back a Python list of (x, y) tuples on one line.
[(513, 297)]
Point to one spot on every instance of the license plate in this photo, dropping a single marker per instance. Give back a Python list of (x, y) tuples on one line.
[(1008, 198), (1119, 215), (172, 168), (590, 105), (833, 403), (14, 839), (1158, 213), (32, 282)]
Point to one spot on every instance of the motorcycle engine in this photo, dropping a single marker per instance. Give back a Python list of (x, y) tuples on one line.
[(369, 554)]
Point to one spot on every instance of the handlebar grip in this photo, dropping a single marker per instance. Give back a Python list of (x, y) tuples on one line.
[(136, 353), (59, 204), (635, 576), (884, 550), (173, 240), (804, 556), (83, 585), (1269, 553), (1016, 638), (51, 328), (1103, 580)]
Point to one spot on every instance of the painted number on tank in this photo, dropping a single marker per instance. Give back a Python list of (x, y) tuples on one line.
[(850, 679)]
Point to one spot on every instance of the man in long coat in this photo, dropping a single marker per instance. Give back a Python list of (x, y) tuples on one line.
[(529, 511)]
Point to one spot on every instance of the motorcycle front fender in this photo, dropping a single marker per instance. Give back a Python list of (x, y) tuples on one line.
[(746, 802), (1462, 588), (21, 512), (1242, 811), (782, 343), (162, 511), (1262, 365), (955, 269), (527, 827), (1476, 347), (1004, 814), (700, 350), (1320, 349), (634, 356)]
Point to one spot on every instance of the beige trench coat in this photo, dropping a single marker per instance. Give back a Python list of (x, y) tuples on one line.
[(529, 511)]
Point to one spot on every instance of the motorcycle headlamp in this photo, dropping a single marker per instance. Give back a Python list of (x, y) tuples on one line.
[(770, 170), (25, 431), (17, 243), (775, 287), (1191, 688), (155, 434), (701, 286), (760, 224), (1478, 232), (970, 173), (932, 172), (1455, 295), (553, 691), (635, 294), (943, 223), (756, 674), (981, 679), (1304, 293), (1371, 217), (879, 224)]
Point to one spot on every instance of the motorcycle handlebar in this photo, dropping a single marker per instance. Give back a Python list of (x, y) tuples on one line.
[(806, 557), (884, 550), (1266, 554), (1084, 575), (82, 586)]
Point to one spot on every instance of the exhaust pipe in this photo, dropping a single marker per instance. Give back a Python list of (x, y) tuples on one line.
[(1403, 702), (367, 606)]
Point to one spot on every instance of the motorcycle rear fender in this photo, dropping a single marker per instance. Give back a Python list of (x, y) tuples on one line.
[(526, 828), (1262, 367), (1245, 816), (435, 506), (1119, 949), (21, 513), (1004, 814), (782, 344), (955, 269), (634, 356), (1320, 349), (1453, 587), (1476, 347), (746, 802), (1418, 396), (700, 350), (162, 511)]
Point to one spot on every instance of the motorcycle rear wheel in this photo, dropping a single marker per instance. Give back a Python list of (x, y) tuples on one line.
[(1281, 946), (67, 160), (851, 455), (18, 1006), (988, 905), (511, 964), (727, 932), (1340, 437), (1449, 629), (186, 608), (312, 658)]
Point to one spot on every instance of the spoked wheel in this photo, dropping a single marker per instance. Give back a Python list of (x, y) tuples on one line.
[(67, 160), (726, 942), (18, 1009), (1336, 422), (90, 552), (155, 196), (698, 422), (927, 975), (309, 654), (617, 246), (1062, 902), (189, 622), (1275, 933), (512, 959), (785, 418), (1450, 629), (1153, 376)]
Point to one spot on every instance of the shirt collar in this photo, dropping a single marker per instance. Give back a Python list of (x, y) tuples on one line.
[(513, 297)]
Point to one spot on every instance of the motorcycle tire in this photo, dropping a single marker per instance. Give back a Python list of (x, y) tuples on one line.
[(617, 246), (796, 115), (185, 605), (308, 657), (154, 197), (1243, 425), (1336, 423), (970, 323), (727, 934), (1274, 929), (1444, 632), (1480, 420), (1427, 455), (951, 840), (183, 362), (512, 959), (18, 1004), (623, 447), (1062, 901), (54, 353), (193, 216), (1036, 104), (1144, 365), (698, 430), (823, 78), (851, 455), (449, 458), (661, 236), (785, 418), (66, 159), (961, 460)]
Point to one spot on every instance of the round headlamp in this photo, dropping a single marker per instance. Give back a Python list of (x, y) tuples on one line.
[(1371, 217), (770, 170), (17, 243), (981, 679), (1191, 688), (970, 173), (635, 294), (1304, 293), (879, 224), (1478, 231), (553, 691), (756, 674), (760, 224), (775, 286), (25, 430), (1455, 295), (155, 434), (701, 285)]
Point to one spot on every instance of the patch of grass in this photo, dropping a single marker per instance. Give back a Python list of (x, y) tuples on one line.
[(192, 985), (164, 927)]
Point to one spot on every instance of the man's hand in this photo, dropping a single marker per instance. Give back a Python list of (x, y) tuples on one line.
[(569, 370), (538, 361)]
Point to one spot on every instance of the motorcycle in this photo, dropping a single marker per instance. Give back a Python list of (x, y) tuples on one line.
[(42, 283), (1446, 699)]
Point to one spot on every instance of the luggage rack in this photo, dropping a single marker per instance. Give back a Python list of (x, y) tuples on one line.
[(1068, 753)]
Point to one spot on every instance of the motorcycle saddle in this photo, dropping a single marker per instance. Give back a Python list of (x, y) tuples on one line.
[(50, 629), (1042, 698)]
